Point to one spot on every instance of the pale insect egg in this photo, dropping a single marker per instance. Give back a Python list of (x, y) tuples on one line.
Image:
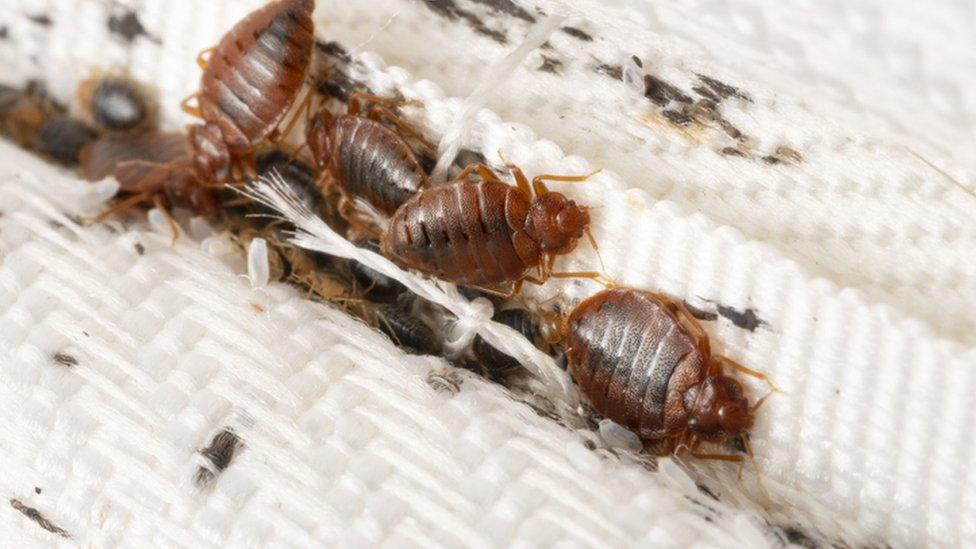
[(258, 264)]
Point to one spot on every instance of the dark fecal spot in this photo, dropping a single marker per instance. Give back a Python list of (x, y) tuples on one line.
[(661, 93), (37, 517), (334, 49), (550, 65), (677, 118), (450, 10), (789, 154), (613, 71), (730, 130), (706, 93), (219, 453), (723, 89), (578, 34), (507, 7), (637, 61), (732, 151), (771, 160), (699, 313), (589, 444), (704, 489), (140, 249), (798, 537), (747, 320), (37, 490), (126, 25), (43, 20), (65, 359), (4, 32)]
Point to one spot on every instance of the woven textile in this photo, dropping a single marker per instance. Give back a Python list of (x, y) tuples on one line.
[(827, 253)]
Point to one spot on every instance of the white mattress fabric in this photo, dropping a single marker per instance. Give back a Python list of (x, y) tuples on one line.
[(830, 254)]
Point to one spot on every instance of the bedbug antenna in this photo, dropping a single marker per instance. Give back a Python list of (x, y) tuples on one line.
[(752, 461)]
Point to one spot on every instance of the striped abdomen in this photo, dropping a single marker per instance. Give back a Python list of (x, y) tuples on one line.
[(256, 72), (375, 164), (633, 361), (463, 232), (166, 154)]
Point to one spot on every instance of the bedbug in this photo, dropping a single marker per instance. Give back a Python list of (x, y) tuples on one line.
[(299, 176), (484, 232), (250, 81), (62, 139), (150, 167), (644, 362), (363, 157), (117, 104)]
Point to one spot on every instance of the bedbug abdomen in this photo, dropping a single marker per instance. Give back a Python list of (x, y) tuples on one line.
[(256, 72), (375, 164), (460, 232), (633, 361)]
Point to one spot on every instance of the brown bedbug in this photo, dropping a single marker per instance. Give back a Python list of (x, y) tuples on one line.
[(483, 232), (117, 104), (363, 157), (151, 167), (62, 139), (643, 361), (250, 81)]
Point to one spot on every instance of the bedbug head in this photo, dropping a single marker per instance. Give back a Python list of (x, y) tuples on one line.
[(718, 408), (211, 157), (556, 222)]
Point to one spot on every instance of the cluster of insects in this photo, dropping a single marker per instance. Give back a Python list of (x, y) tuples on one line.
[(640, 358)]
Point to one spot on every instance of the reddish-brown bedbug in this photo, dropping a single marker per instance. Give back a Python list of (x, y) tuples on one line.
[(363, 157), (484, 232), (150, 167), (250, 81), (644, 362)]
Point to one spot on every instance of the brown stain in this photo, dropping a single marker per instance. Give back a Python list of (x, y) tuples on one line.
[(127, 26), (722, 89), (700, 314), (42, 19), (747, 319), (578, 34), (451, 11), (219, 453), (613, 71), (551, 65), (507, 7), (39, 518), (140, 249), (65, 359), (661, 93)]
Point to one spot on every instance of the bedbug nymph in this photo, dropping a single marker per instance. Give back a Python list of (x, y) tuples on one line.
[(249, 84), (484, 232), (151, 167), (644, 362), (364, 158)]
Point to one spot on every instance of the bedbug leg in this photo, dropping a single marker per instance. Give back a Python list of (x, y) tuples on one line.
[(538, 182), (688, 322), (484, 171), (173, 226), (304, 108), (723, 361), (203, 58), (122, 205), (380, 113), (192, 110)]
